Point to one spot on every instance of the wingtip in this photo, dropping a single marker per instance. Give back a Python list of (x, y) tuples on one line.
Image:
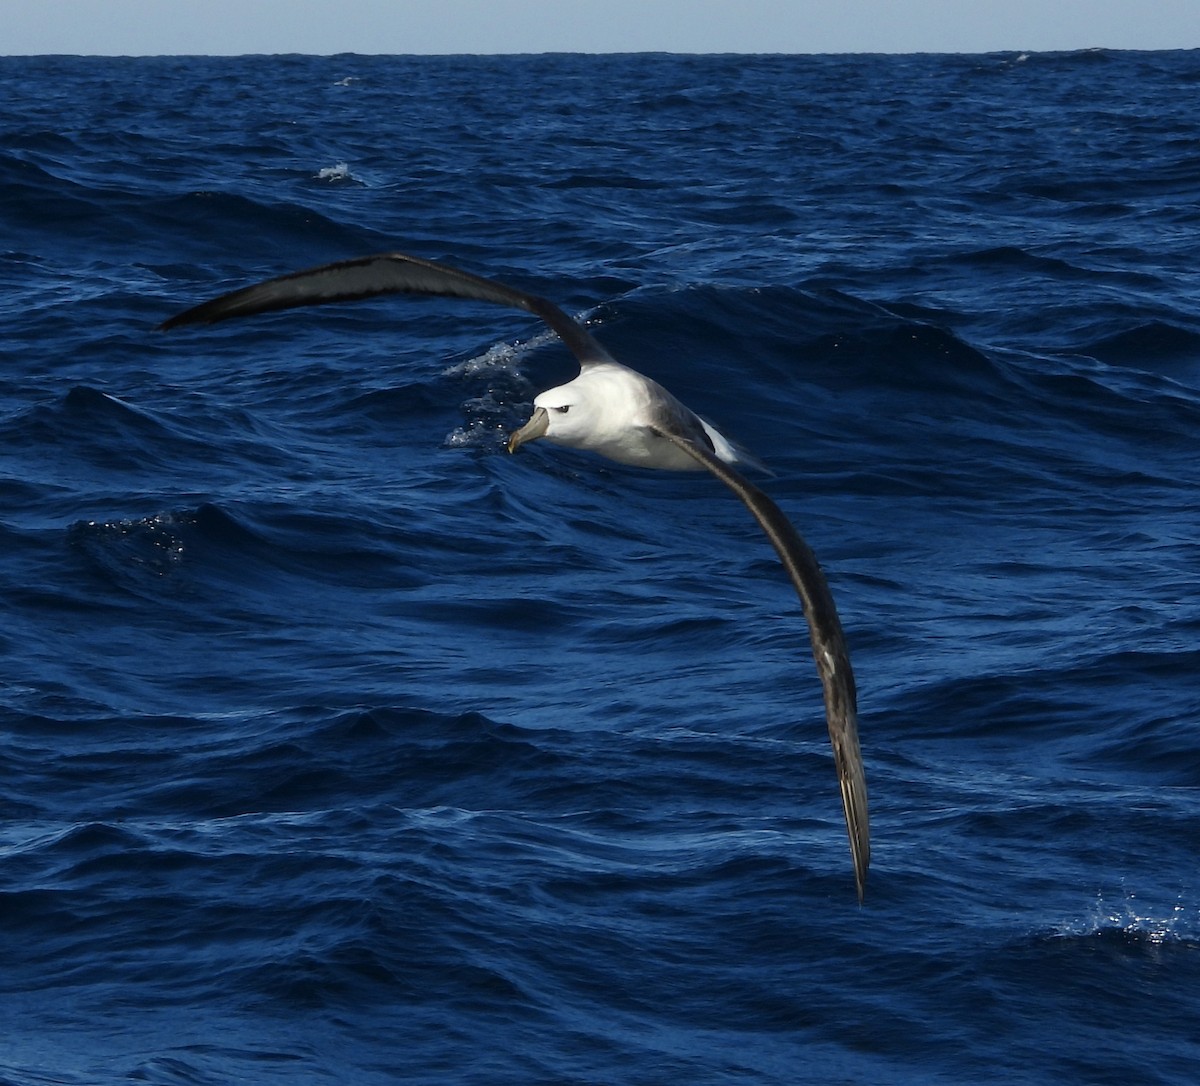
[(177, 320), (860, 851), (205, 313)]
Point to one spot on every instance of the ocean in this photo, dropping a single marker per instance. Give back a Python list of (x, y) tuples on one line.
[(339, 746)]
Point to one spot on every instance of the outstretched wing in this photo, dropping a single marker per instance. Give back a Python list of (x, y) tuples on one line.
[(828, 645), (386, 273)]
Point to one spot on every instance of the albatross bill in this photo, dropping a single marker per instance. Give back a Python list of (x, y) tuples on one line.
[(538, 424), (618, 413)]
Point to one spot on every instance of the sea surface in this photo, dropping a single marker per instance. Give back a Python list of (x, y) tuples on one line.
[(339, 746)]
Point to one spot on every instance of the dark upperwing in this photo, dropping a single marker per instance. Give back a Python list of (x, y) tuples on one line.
[(828, 645), (385, 273)]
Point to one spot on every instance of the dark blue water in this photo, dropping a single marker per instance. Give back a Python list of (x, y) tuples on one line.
[(337, 746)]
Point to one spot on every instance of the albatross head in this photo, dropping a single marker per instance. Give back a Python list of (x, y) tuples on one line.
[(564, 415)]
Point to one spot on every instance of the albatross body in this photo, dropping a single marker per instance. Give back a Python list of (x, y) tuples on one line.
[(618, 413), (614, 411)]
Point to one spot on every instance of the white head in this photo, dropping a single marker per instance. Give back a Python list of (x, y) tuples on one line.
[(583, 413)]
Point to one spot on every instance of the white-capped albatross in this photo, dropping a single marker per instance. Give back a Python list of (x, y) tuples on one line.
[(616, 412)]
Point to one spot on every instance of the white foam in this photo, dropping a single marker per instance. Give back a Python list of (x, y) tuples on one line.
[(336, 173)]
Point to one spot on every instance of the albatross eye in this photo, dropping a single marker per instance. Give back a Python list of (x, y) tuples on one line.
[(564, 409)]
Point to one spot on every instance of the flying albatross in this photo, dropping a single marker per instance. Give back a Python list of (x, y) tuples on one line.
[(616, 412)]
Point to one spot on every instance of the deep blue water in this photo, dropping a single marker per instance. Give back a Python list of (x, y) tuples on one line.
[(337, 746)]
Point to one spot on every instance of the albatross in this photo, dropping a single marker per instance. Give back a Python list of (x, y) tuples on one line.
[(617, 412)]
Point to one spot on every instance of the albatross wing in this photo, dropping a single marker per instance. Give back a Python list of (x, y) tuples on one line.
[(386, 273), (828, 645)]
